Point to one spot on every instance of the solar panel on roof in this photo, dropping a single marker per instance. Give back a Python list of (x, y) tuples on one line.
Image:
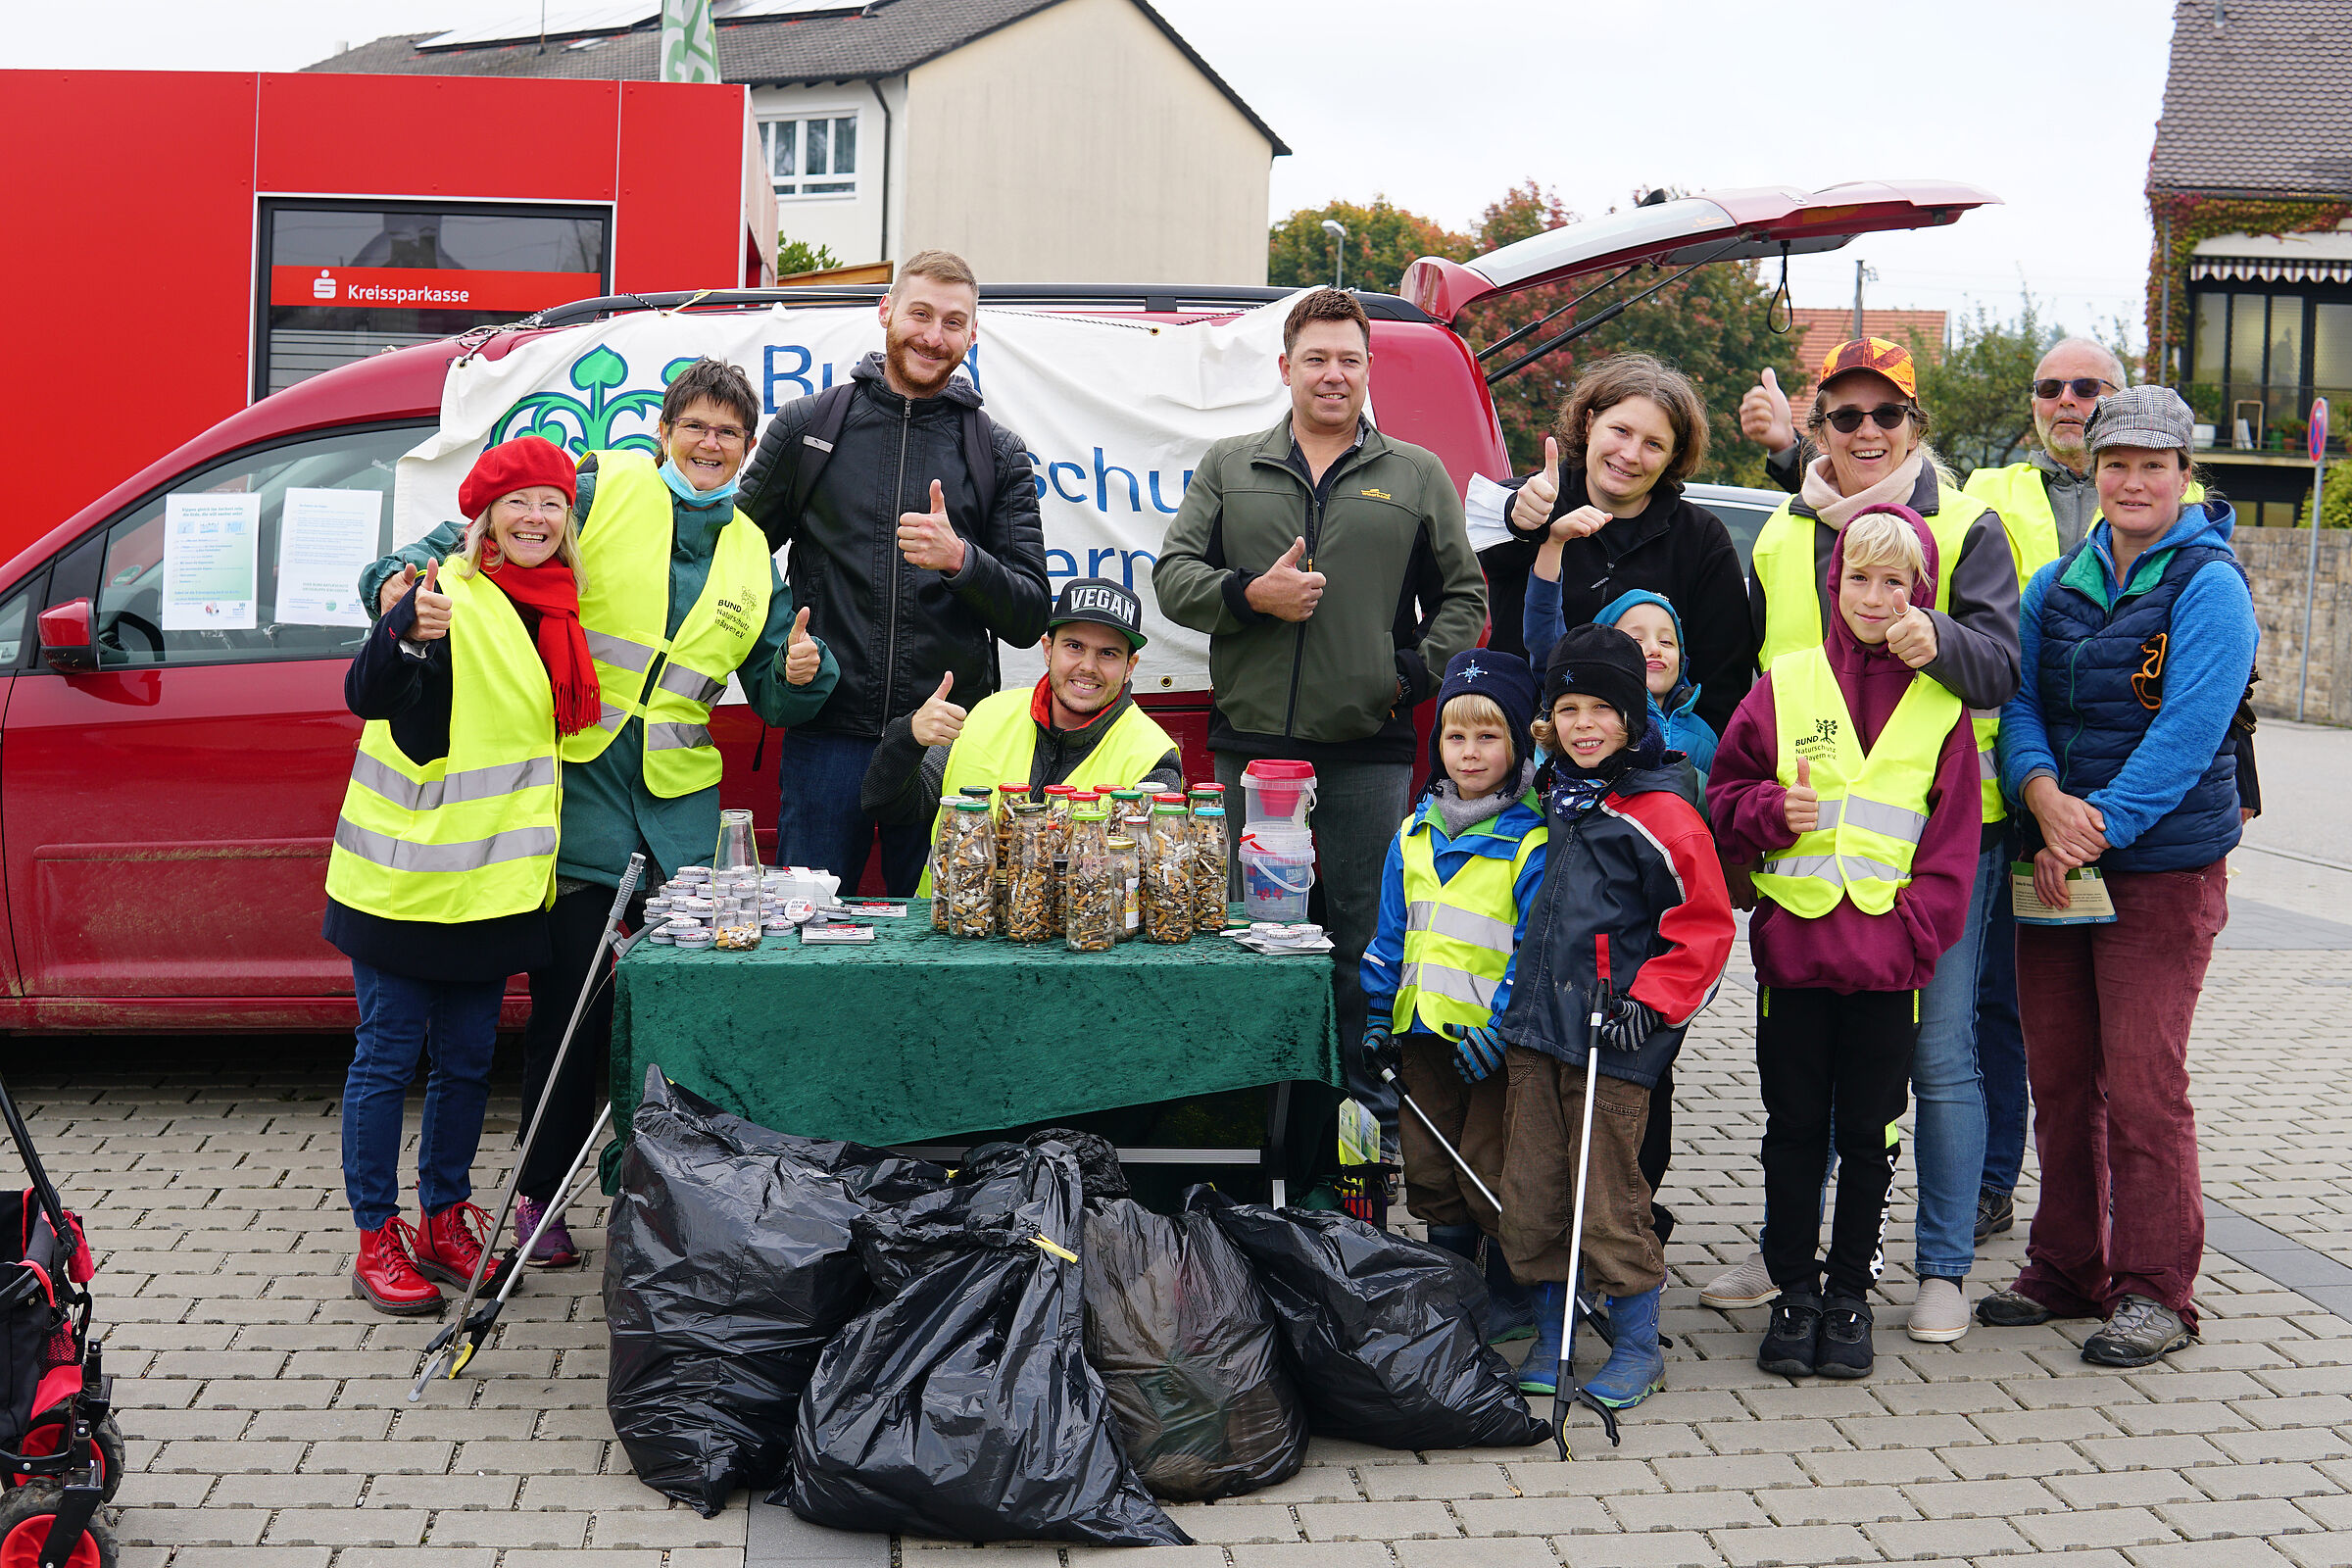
[(561, 22), (784, 8)]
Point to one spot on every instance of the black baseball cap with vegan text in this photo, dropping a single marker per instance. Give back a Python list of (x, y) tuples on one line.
[(1102, 602)]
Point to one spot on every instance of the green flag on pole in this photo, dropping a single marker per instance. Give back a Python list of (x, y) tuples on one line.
[(689, 43)]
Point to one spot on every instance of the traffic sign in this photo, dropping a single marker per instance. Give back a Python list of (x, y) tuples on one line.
[(2319, 427)]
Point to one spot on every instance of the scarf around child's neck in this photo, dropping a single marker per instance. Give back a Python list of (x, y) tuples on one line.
[(1572, 789), (1460, 815)]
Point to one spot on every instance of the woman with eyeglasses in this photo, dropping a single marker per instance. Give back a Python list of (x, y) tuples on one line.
[(1871, 435)]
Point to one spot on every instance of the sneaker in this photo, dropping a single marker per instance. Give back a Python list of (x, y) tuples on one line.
[(1939, 1314), (2008, 1309), (2136, 1333), (1789, 1347), (385, 1275), (1750, 1284), (448, 1246), (554, 1249), (1995, 1214), (1845, 1350)]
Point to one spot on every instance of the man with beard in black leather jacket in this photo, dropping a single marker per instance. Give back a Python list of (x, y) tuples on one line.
[(914, 528)]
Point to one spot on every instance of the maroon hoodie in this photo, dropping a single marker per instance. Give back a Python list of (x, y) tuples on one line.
[(1847, 949)]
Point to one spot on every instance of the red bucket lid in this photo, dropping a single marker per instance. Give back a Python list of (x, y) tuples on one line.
[(1267, 770)]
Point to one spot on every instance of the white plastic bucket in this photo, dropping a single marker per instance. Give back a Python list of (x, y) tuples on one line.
[(1278, 868)]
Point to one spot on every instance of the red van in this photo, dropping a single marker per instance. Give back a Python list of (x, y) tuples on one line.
[(168, 796)]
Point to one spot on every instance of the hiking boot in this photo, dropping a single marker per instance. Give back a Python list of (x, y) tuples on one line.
[(1791, 1346), (554, 1249), (1995, 1214), (385, 1276), (2136, 1333), (1939, 1314), (1637, 1368), (449, 1244), (2012, 1309), (1844, 1349), (1539, 1372), (1748, 1284)]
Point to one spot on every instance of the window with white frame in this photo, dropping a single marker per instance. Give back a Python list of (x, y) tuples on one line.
[(812, 157)]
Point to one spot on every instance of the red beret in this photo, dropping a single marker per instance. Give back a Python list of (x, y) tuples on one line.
[(517, 464)]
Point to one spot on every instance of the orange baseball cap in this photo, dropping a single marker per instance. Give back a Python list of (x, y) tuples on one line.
[(1890, 359)]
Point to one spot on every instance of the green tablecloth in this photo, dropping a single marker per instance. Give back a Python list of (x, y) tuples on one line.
[(920, 1036)]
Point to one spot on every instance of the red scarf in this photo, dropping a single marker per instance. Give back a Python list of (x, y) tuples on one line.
[(551, 589)]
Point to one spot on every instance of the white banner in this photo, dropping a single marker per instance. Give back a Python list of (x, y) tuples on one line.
[(1115, 412)]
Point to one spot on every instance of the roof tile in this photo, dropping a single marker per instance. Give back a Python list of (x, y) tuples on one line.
[(2256, 103)]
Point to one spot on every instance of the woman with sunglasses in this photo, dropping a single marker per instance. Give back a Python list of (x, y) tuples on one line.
[(1867, 421)]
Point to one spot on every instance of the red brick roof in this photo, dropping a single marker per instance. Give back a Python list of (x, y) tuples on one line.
[(1819, 331)]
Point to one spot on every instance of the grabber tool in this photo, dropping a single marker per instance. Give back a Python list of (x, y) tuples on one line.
[(440, 1348), (1564, 1388)]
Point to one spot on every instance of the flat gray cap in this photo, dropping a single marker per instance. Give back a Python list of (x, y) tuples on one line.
[(2152, 416)]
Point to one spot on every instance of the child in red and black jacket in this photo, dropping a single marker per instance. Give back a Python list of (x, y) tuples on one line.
[(1852, 780), (1630, 863)]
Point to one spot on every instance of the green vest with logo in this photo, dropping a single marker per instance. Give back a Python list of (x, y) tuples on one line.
[(1458, 933), (1784, 567), (471, 836), (625, 547), (1874, 808)]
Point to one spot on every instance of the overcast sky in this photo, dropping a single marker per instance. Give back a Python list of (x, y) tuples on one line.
[(1441, 107)]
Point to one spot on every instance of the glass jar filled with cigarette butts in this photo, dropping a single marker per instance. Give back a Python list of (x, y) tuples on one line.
[(1168, 880), (1090, 889), (963, 883), (1208, 868), (1007, 797), (1128, 860), (1029, 880)]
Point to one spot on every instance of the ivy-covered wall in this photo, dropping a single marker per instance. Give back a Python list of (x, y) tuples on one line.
[(2201, 217)]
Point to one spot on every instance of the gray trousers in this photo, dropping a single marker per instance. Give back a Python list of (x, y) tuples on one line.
[(1358, 807)]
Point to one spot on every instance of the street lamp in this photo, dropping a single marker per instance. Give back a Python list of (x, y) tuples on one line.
[(1338, 257)]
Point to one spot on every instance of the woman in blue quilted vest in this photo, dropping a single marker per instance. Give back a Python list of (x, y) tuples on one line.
[(2135, 647)]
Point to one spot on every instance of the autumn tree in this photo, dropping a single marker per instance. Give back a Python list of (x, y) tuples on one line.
[(1383, 240)]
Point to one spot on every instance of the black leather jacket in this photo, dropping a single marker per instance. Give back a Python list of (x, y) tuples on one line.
[(895, 628)]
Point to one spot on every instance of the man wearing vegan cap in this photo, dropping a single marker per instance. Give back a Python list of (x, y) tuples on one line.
[(2119, 746), (1872, 433), (1078, 725)]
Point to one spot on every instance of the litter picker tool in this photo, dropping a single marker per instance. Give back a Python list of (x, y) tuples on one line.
[(441, 1346), (1565, 1390)]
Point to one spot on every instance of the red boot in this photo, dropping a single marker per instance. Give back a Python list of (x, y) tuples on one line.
[(385, 1276), (449, 1244)]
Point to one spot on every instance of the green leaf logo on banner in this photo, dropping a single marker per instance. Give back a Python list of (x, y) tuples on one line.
[(579, 426), (689, 42)]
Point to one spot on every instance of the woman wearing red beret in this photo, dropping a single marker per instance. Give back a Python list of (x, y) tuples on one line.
[(444, 861)]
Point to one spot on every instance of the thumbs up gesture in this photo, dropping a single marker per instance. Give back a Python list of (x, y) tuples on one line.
[(939, 721), (803, 658), (1911, 638), (432, 609), (1764, 414), (1802, 807), (1533, 506), (927, 539), (1283, 590)]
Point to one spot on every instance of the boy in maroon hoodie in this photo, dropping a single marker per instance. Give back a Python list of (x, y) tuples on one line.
[(1852, 779)]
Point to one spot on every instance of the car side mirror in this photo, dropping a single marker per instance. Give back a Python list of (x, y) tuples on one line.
[(69, 639)]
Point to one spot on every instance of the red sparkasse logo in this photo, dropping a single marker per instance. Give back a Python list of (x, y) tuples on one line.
[(427, 288)]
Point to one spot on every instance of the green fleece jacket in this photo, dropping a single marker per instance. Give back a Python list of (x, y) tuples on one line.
[(1402, 593)]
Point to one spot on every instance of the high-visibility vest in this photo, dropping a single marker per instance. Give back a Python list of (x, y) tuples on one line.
[(2020, 494), (1874, 808), (472, 835), (1784, 566), (1458, 933), (625, 546), (999, 741)]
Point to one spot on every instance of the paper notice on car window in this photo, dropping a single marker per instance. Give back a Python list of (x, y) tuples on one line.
[(1485, 506), (2089, 902), (326, 539), (209, 547)]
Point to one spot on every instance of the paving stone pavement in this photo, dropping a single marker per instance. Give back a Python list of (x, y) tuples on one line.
[(268, 1424)]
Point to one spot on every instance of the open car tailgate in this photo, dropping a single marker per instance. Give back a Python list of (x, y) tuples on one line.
[(1713, 225)]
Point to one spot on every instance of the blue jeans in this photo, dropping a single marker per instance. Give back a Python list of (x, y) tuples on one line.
[(818, 823), (2001, 1044), (401, 1020), (1950, 1093)]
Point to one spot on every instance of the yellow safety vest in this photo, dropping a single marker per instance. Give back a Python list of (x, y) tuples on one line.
[(1458, 933), (999, 741), (2020, 494), (1873, 808), (472, 835), (625, 544), (1784, 566)]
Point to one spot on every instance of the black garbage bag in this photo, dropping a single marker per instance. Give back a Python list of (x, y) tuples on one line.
[(961, 1404), (1188, 1349), (1387, 1336), (728, 1264)]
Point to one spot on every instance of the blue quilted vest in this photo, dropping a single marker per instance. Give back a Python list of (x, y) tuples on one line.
[(2096, 716)]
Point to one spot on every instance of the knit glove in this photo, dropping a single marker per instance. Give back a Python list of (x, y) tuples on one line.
[(1628, 1025), (1477, 1051), (1381, 1050)]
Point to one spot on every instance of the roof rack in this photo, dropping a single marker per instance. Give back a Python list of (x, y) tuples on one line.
[(1163, 298)]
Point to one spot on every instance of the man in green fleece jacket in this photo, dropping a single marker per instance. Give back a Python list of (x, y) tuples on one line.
[(1330, 568)]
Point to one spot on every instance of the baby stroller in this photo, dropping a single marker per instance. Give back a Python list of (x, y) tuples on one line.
[(60, 1448)]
